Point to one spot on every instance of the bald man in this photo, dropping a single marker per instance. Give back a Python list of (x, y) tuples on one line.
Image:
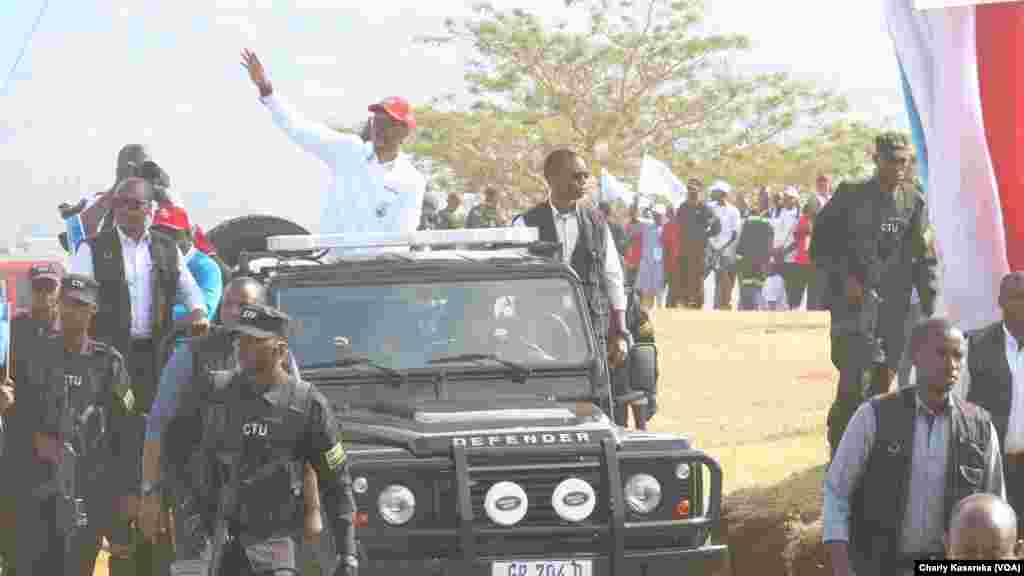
[(995, 380), (983, 527)]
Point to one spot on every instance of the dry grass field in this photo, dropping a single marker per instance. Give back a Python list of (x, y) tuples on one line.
[(752, 389)]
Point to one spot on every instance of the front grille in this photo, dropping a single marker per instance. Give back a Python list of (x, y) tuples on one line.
[(538, 480), (538, 485)]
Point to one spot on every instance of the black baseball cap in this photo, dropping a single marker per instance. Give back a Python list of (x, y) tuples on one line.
[(262, 322), (45, 271), (81, 288)]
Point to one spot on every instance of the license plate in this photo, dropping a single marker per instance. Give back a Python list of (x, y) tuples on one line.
[(542, 568)]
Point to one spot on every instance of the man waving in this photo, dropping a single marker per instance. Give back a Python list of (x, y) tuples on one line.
[(375, 187)]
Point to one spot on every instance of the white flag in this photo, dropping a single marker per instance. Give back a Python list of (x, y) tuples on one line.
[(656, 179), (612, 189)]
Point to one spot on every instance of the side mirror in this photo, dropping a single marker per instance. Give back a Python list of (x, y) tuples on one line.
[(643, 368), (342, 348)]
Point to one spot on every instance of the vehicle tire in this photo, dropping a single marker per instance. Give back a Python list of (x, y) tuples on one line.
[(250, 233)]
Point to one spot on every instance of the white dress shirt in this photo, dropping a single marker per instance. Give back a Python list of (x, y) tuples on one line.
[(138, 265), (567, 228), (365, 195)]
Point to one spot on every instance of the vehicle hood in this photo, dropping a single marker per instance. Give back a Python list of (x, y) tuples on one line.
[(432, 428)]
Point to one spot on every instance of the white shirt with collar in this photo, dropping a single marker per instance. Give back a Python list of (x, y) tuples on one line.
[(138, 264), (364, 195), (568, 230)]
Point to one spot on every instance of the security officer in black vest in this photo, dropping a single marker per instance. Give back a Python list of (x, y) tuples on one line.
[(587, 245), (174, 429), (76, 392), (874, 240), (40, 321), (905, 460), (142, 274), (262, 426)]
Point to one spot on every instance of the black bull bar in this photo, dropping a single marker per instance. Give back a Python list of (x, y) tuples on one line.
[(615, 526)]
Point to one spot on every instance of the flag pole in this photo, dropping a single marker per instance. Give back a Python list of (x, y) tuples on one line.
[(10, 332)]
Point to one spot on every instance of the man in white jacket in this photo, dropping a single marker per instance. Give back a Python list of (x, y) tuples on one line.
[(375, 187)]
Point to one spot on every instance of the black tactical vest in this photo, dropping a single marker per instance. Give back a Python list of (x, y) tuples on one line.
[(113, 319), (879, 502), (267, 430), (587, 260), (210, 354), (77, 402)]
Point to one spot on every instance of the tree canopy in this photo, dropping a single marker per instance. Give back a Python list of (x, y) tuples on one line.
[(643, 78)]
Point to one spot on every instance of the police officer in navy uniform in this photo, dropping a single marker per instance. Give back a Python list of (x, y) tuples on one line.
[(274, 424), (874, 240), (40, 321), (175, 425), (75, 392)]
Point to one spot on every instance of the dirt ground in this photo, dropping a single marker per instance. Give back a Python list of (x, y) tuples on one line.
[(752, 389)]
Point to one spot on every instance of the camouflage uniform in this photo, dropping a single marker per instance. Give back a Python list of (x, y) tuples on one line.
[(484, 216), (883, 240)]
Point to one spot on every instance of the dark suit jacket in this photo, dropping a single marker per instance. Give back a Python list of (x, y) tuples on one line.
[(991, 385)]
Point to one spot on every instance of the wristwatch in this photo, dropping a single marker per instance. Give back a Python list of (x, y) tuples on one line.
[(148, 488)]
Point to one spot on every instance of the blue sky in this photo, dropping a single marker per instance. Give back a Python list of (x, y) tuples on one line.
[(103, 73)]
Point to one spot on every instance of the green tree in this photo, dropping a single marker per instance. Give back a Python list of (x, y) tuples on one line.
[(644, 79)]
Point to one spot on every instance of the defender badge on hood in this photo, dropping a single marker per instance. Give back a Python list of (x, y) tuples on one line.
[(527, 439)]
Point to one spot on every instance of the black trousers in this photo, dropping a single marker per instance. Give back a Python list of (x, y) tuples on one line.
[(41, 545), (146, 558), (798, 279)]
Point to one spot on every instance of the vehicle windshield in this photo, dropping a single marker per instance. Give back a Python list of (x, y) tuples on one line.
[(534, 322)]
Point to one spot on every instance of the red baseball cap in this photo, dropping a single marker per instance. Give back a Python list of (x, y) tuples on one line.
[(398, 108), (171, 216)]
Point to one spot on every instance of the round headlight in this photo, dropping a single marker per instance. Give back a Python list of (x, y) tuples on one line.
[(643, 493), (359, 485), (573, 500), (683, 471), (396, 504), (505, 503)]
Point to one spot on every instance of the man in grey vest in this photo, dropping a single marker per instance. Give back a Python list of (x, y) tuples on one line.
[(142, 274), (995, 380), (586, 244), (906, 458)]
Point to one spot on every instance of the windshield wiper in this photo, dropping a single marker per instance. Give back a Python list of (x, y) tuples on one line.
[(524, 371), (360, 361)]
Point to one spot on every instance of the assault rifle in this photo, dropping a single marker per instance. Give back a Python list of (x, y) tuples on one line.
[(70, 508), (227, 504)]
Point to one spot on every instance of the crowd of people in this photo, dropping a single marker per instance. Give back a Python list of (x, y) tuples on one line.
[(668, 252), (91, 347)]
